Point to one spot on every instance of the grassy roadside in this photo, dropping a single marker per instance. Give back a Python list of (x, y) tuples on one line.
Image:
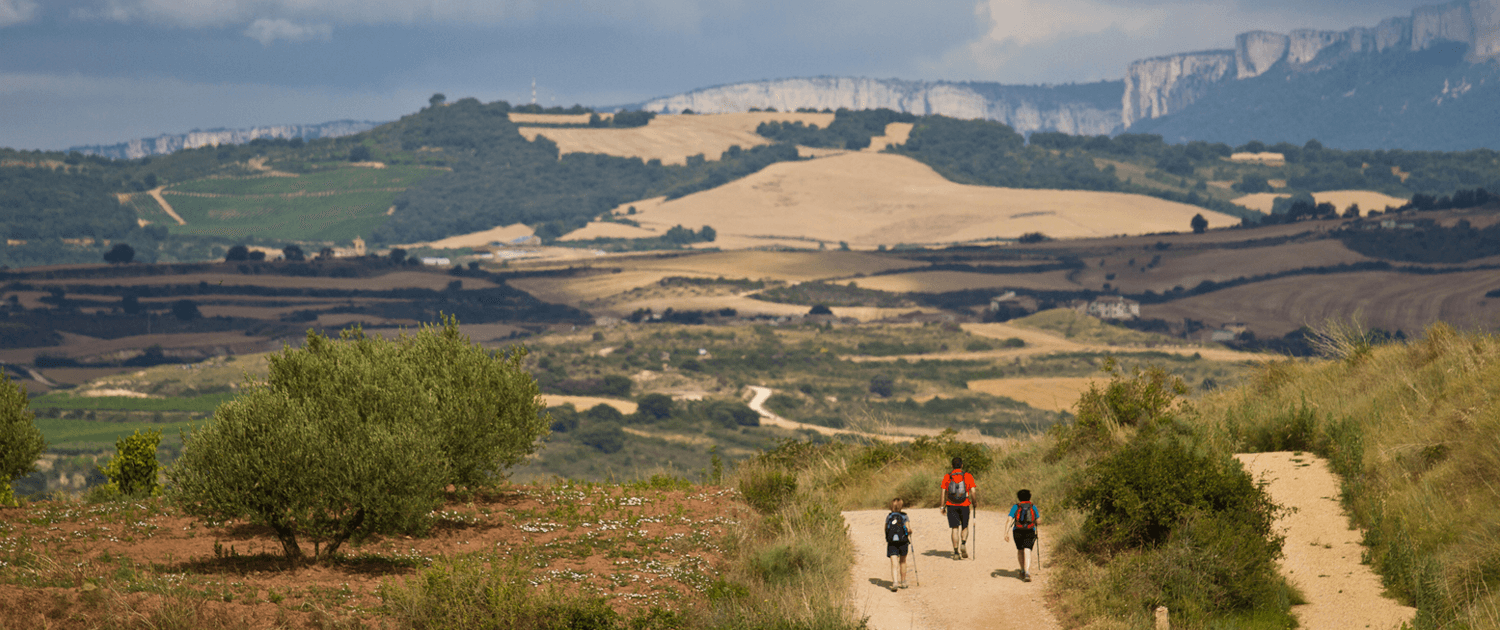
[(1413, 429)]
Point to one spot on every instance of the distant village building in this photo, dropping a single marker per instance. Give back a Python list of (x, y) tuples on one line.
[(435, 260), (1109, 307)]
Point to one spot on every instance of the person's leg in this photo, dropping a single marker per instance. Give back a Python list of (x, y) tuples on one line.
[(963, 535), (902, 583), (954, 536), (955, 523), (1021, 560), (896, 571)]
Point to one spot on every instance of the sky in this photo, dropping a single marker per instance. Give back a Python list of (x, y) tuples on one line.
[(75, 72)]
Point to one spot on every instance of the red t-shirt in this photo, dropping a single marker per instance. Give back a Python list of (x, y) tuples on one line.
[(968, 484)]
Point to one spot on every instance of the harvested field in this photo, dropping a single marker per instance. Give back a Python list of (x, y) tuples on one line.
[(608, 230), (672, 139), (1367, 199), (591, 287), (553, 119), (944, 281), (503, 234), (1188, 269), (895, 133), (1051, 394), (435, 280), (588, 402), (784, 266), (871, 199), (1388, 300)]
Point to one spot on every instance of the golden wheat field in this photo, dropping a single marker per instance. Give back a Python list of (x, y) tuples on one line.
[(588, 402), (1367, 200), (502, 234), (872, 199), (671, 139)]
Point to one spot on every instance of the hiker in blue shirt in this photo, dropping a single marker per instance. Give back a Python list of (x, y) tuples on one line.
[(1022, 525), (897, 542)]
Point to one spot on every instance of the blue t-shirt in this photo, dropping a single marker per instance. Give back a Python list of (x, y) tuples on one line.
[(1035, 513)]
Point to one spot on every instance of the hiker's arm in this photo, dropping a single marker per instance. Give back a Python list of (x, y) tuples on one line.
[(1010, 522)]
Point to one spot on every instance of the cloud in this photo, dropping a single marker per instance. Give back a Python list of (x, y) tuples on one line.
[(267, 31), (219, 13), (16, 11)]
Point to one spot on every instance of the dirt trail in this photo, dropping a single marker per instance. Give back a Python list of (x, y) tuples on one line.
[(889, 433), (977, 594), (162, 201), (1322, 552)]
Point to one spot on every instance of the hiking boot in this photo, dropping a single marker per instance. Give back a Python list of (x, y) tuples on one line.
[(955, 553), (893, 588), (902, 585), (1025, 577), (963, 551)]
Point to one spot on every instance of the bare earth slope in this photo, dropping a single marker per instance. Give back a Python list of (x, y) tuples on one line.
[(1322, 552), (981, 593), (871, 199)]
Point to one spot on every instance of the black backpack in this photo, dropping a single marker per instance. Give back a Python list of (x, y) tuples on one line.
[(958, 492), (896, 531), (1025, 516)]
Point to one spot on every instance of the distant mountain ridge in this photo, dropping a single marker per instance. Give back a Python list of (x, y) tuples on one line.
[(172, 142), (1079, 109), (1418, 82)]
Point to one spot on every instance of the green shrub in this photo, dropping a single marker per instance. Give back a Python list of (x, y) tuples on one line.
[(1140, 494), (359, 435), (21, 442), (778, 564), (1143, 398), (768, 489), (133, 469)]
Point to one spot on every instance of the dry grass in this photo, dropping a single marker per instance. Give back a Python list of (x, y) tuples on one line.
[(670, 139), (436, 280), (1053, 394), (895, 133), (1188, 268), (608, 230), (871, 199), (1367, 199)]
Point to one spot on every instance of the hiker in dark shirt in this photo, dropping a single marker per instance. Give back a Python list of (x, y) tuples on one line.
[(958, 498), (897, 542), (1022, 525)]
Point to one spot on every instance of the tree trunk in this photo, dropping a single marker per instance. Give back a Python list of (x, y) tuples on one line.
[(344, 534), (288, 538)]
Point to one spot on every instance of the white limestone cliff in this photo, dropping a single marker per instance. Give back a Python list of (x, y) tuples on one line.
[(1162, 85), (169, 143), (1025, 108)]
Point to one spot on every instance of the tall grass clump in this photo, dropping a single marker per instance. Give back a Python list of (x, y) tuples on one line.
[(1413, 429), (1169, 517)]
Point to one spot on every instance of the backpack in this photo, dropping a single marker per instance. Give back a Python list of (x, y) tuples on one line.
[(1025, 516), (896, 531), (957, 492)]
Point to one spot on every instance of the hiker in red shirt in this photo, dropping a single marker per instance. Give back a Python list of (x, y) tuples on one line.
[(959, 499)]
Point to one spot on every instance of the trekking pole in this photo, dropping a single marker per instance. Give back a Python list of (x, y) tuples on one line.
[(975, 526), (914, 572)]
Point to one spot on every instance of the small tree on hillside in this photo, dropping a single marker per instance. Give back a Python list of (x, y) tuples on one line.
[(237, 253), (293, 252), (120, 254), (358, 435), (1199, 224), (20, 441)]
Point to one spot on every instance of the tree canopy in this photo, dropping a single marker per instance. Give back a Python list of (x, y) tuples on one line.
[(359, 435)]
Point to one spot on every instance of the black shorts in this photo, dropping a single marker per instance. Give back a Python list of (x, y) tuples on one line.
[(1025, 538), (958, 516), (896, 550)]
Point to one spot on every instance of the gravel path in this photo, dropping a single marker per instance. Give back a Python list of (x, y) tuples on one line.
[(980, 593), (1322, 551)]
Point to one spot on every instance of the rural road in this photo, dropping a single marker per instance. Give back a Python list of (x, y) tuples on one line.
[(981, 593), (1322, 552), (892, 434)]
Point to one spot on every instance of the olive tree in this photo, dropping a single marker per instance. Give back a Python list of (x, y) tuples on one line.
[(359, 435), (20, 441)]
